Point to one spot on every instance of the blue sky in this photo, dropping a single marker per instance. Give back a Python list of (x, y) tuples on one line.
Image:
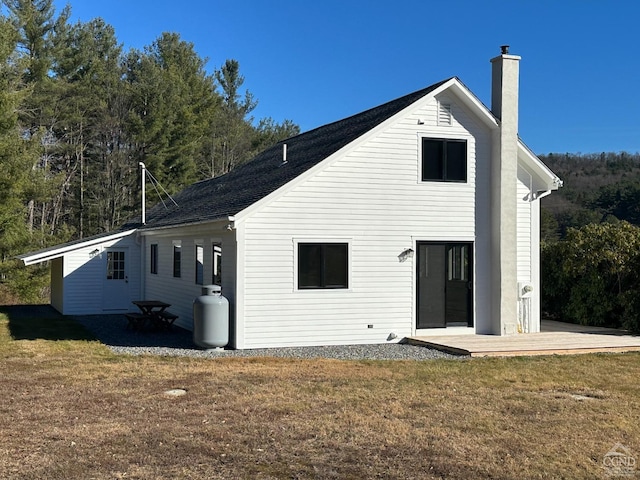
[(315, 62)]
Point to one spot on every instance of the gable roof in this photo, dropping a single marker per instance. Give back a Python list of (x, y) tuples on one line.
[(229, 194), (222, 197)]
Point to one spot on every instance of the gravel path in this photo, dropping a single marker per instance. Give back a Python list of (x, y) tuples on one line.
[(112, 331)]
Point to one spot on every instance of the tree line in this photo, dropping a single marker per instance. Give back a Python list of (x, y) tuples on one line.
[(590, 258), (602, 187), (78, 113)]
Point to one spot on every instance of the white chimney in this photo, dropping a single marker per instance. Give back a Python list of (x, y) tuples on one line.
[(504, 176)]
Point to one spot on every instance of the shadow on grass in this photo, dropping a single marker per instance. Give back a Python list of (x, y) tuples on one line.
[(42, 322), (31, 322), (112, 330)]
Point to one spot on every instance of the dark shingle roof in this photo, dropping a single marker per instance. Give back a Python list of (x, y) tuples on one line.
[(229, 194)]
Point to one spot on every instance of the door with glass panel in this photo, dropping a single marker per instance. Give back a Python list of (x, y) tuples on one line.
[(115, 293), (444, 285)]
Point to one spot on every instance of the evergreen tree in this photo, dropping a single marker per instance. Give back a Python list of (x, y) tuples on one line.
[(35, 23), (77, 115), (174, 100), (16, 157), (232, 132), (269, 133), (92, 129)]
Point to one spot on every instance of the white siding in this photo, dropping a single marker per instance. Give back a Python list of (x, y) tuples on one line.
[(84, 273), (524, 226), (374, 199), (180, 292), (535, 265), (528, 252)]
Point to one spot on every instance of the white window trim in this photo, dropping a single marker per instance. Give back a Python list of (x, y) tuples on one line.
[(323, 291), (174, 244), (216, 259), (199, 255)]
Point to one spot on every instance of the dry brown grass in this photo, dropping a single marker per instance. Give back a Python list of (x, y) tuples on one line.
[(72, 410), (7, 297)]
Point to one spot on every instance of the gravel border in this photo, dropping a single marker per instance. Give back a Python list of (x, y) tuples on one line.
[(112, 331)]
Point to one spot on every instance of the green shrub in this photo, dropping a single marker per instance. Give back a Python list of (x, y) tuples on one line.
[(592, 277)]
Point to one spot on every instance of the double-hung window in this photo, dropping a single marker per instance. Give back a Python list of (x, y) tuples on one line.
[(154, 258), (444, 160), (177, 259), (323, 265), (216, 271), (199, 264)]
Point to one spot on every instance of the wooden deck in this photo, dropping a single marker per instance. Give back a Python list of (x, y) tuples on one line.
[(556, 338)]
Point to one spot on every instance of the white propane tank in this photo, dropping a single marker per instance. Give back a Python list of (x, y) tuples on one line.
[(211, 318)]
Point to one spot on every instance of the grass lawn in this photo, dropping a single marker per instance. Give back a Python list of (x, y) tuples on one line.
[(70, 409)]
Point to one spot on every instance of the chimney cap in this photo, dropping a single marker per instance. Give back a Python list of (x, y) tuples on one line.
[(504, 49)]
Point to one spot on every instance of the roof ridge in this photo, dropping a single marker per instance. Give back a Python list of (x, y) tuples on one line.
[(416, 93), (243, 186)]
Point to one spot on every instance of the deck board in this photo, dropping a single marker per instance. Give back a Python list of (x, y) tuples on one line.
[(556, 339)]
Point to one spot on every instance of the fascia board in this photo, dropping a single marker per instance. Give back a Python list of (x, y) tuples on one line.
[(170, 229), (530, 161), (472, 102), (49, 254)]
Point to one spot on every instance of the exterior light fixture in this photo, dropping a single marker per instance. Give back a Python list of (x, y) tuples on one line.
[(406, 254)]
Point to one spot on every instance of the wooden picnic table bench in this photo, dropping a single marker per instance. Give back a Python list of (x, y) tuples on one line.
[(153, 311), (136, 320), (164, 319)]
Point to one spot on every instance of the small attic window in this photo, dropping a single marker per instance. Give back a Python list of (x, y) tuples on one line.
[(444, 160), (444, 114)]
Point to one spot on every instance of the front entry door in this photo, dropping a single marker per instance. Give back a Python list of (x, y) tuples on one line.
[(115, 293), (444, 276)]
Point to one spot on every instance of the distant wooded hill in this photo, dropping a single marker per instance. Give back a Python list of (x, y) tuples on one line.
[(603, 187)]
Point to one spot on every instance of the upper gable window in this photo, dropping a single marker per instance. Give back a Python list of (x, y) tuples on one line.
[(444, 160)]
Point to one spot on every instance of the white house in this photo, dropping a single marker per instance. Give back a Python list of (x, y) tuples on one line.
[(419, 215)]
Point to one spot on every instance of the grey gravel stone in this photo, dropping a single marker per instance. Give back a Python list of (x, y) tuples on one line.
[(112, 331)]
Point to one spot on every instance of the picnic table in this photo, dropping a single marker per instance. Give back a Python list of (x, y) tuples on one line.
[(153, 311)]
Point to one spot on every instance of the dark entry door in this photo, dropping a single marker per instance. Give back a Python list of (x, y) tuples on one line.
[(444, 277)]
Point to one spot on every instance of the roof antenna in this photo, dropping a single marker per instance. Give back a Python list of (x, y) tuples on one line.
[(144, 200), (154, 182)]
